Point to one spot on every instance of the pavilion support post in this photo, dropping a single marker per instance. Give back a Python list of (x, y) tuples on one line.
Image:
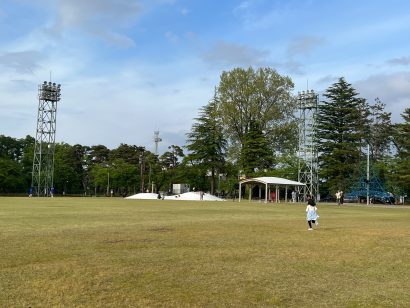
[(277, 194), (266, 193), (250, 192), (240, 192), (260, 193), (286, 193)]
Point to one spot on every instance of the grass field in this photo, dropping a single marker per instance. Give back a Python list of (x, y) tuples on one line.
[(108, 252)]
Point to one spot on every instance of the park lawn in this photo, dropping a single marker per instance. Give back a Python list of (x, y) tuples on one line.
[(106, 252)]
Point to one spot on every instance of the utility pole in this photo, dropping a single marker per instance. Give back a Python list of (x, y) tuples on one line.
[(368, 175)]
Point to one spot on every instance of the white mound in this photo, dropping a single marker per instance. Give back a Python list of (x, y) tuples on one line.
[(191, 196), (144, 196)]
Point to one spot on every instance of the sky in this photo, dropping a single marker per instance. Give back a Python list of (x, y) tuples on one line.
[(128, 68)]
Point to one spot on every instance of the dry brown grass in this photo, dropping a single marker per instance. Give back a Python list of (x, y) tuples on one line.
[(111, 252)]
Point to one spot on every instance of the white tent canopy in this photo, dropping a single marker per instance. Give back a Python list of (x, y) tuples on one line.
[(268, 182)]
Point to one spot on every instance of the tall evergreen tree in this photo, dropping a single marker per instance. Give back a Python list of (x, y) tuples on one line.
[(402, 141), (206, 142), (381, 130), (342, 125)]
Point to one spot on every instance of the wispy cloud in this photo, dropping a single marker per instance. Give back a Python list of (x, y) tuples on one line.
[(304, 45), (234, 54), (102, 18), (24, 62), (184, 11), (399, 61), (292, 66), (259, 14), (171, 37), (328, 79)]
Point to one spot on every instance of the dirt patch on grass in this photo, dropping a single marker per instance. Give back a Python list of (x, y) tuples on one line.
[(161, 229)]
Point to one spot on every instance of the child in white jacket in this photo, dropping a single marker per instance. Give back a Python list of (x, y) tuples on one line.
[(311, 213)]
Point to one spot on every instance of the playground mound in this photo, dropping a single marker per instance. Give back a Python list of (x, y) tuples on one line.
[(189, 196), (143, 196)]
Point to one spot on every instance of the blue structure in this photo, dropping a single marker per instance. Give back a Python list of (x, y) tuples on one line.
[(377, 192)]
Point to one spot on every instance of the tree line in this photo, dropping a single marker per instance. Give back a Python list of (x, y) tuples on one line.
[(248, 128)]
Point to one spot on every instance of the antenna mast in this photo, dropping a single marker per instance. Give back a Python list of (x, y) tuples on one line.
[(157, 140)]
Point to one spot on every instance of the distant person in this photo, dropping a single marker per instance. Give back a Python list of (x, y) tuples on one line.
[(30, 192), (52, 192), (338, 194), (311, 213), (201, 195), (293, 196), (273, 196), (342, 197)]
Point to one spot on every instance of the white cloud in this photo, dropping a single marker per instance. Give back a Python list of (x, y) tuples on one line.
[(392, 89), (102, 18)]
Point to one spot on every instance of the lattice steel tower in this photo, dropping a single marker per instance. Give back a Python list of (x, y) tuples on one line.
[(157, 140), (308, 172), (43, 162)]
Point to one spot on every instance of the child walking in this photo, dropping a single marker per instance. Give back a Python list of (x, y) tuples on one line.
[(311, 212)]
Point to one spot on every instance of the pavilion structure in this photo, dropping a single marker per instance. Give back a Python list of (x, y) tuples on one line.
[(270, 184)]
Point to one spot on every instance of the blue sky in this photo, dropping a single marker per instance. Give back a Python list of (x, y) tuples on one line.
[(130, 67)]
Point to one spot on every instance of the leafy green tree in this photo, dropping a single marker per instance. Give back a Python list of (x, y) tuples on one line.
[(207, 144), (256, 154), (342, 125), (68, 170), (11, 148), (27, 160), (100, 177), (246, 96), (11, 179), (129, 153), (99, 153), (123, 176), (153, 171), (169, 165), (16, 157)]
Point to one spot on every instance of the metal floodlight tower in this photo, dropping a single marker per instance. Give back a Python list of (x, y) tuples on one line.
[(308, 172), (43, 162)]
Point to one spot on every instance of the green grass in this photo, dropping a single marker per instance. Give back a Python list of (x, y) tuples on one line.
[(107, 252)]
